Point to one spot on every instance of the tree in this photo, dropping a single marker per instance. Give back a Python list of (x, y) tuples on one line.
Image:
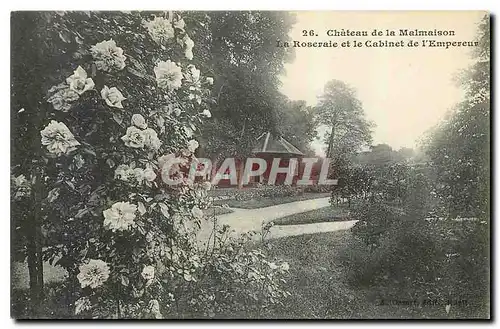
[(115, 97), (340, 110), (239, 49), (295, 122), (459, 147)]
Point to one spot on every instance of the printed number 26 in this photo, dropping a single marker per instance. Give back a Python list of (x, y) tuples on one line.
[(306, 33)]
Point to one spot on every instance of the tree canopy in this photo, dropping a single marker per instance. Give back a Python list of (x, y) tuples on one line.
[(459, 147), (239, 49), (342, 112)]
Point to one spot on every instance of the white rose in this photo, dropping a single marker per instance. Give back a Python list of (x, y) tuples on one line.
[(61, 97), (93, 274), (193, 76), (148, 272), (188, 52), (197, 212), (108, 57), (79, 81), (112, 96), (193, 145), (139, 121), (58, 139), (160, 30), (139, 175), (180, 24), (134, 138), (210, 80), (207, 113), (177, 111), (120, 216), (149, 174), (123, 172), (151, 140), (168, 75)]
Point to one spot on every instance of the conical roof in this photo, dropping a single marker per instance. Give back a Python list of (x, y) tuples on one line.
[(267, 143)]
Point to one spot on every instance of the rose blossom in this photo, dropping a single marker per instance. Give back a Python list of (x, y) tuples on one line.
[(93, 274), (197, 212), (151, 139), (58, 139), (62, 97), (193, 145), (148, 272), (149, 174), (134, 138), (189, 47), (79, 81), (139, 175), (168, 75), (120, 216), (207, 113), (160, 30), (112, 96), (108, 57), (123, 172), (139, 121)]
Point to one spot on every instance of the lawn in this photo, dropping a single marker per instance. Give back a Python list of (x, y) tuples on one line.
[(266, 202), (216, 211), (326, 214), (320, 288)]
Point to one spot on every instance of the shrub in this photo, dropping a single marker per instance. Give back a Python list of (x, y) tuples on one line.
[(123, 100)]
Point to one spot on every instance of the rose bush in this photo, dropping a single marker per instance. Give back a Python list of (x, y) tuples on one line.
[(125, 96)]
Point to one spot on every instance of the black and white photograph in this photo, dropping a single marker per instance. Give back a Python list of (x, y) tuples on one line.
[(250, 164)]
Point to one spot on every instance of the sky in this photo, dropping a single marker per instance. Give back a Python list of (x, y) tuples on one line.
[(404, 91)]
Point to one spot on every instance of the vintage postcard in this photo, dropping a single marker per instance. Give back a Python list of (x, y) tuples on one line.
[(250, 165)]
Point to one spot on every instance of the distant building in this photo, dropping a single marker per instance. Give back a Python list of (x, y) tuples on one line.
[(269, 147)]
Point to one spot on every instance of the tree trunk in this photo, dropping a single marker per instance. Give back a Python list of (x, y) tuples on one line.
[(241, 168), (34, 253), (330, 143), (213, 170), (28, 64)]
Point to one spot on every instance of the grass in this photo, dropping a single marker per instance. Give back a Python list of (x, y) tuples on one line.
[(266, 202), (319, 285), (320, 289), (216, 211), (326, 214)]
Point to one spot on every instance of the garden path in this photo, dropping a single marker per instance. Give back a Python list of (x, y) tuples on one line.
[(240, 221), (245, 220)]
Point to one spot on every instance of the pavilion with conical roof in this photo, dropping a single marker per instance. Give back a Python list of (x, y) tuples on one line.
[(267, 143), (268, 147)]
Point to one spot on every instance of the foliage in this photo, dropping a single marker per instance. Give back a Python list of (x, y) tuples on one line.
[(263, 191), (239, 48), (296, 124), (435, 242), (339, 109), (122, 99)]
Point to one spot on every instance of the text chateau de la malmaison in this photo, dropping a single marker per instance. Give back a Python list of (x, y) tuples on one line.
[(377, 33)]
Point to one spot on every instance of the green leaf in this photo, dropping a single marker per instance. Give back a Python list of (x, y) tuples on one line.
[(118, 118), (53, 194), (125, 281), (141, 208), (81, 213), (89, 151), (110, 163)]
